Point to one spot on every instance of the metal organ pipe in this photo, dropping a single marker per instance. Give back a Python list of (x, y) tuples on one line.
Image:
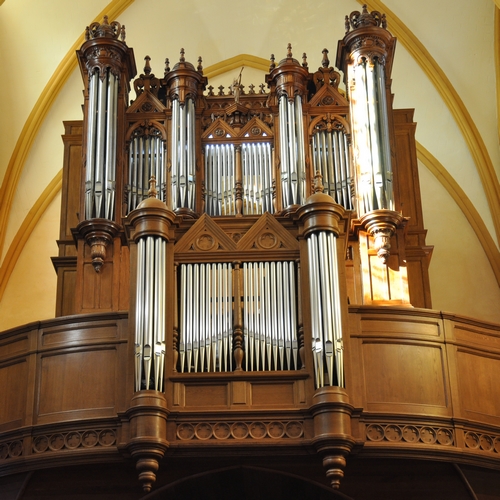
[(331, 157), (183, 154), (220, 178), (326, 322), (100, 176), (146, 159), (206, 314), (371, 136), (150, 313), (292, 150), (269, 315)]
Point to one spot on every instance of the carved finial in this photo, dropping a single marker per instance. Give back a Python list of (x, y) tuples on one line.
[(87, 33), (210, 90), (221, 90), (182, 58), (200, 66), (289, 51), (304, 60), (122, 33), (273, 64), (384, 22), (105, 30), (251, 89), (261, 89), (347, 25), (364, 19), (318, 182), (152, 193), (167, 66), (147, 67), (325, 62)]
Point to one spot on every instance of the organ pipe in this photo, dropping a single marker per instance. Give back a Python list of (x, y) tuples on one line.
[(150, 313), (183, 154), (221, 174), (100, 176), (146, 160), (292, 151)]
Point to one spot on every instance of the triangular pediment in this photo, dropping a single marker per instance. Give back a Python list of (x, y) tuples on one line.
[(146, 103), (205, 236), (328, 96), (267, 234), (219, 129), (256, 128)]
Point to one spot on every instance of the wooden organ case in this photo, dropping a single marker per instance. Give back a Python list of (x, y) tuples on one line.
[(236, 267)]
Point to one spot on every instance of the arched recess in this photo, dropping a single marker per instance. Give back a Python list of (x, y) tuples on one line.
[(245, 483)]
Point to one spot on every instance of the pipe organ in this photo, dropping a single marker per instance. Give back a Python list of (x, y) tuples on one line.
[(234, 230)]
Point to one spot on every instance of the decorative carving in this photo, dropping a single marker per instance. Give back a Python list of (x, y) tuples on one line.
[(414, 434), (73, 439), (98, 234), (365, 19), (147, 82), (381, 225), (105, 30), (203, 229), (293, 429)]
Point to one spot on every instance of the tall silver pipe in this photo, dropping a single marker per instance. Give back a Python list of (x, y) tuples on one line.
[(284, 150), (316, 310), (293, 316), (100, 144), (139, 313), (301, 158), (91, 144), (326, 299), (174, 147), (337, 315)]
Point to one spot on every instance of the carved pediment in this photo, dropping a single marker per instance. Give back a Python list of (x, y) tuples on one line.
[(328, 96), (205, 236), (256, 128), (267, 234), (219, 129), (146, 103)]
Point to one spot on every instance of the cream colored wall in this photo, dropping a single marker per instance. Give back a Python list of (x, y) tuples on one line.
[(222, 29)]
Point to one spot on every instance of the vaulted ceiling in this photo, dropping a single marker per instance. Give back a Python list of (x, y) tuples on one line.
[(446, 67)]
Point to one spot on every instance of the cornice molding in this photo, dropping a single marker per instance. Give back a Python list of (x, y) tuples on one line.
[(37, 116), (457, 108), (468, 209), (25, 230)]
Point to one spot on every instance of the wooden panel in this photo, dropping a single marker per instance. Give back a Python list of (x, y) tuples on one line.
[(206, 395), (400, 326), (83, 380), (13, 401), (13, 345), (98, 291), (273, 394), (78, 333), (479, 337), (404, 374), (479, 385), (68, 279)]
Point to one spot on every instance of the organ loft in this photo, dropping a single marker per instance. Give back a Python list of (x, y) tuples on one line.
[(243, 301)]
